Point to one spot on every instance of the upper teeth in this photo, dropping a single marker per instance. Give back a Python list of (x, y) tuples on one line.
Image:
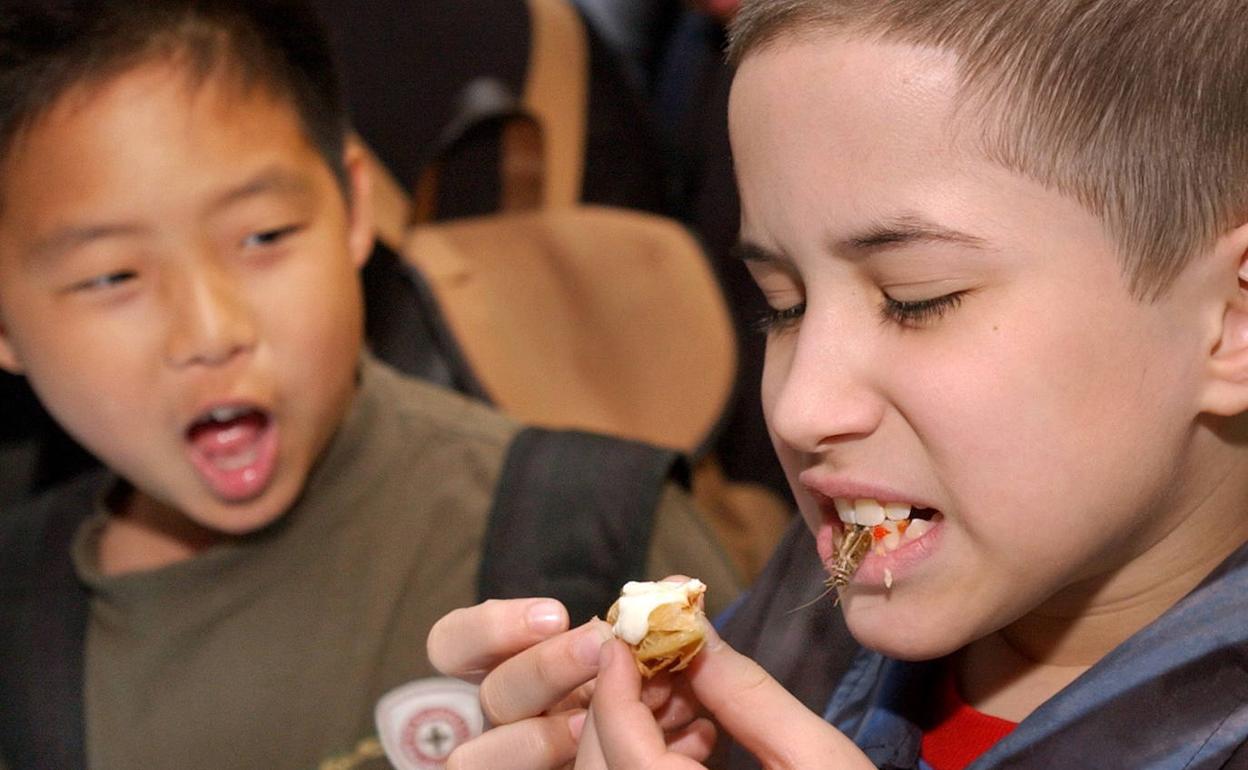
[(226, 413), (868, 512)]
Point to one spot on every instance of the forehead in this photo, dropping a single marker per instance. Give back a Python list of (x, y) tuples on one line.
[(144, 140), (159, 97), (834, 135), (841, 102)]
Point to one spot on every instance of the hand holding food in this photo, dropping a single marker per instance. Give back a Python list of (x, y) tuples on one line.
[(536, 676), (622, 732), (662, 622)]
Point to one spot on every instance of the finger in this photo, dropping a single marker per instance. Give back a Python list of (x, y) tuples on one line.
[(762, 715), (656, 691), (467, 643), (534, 680), (534, 744), (677, 712), (589, 750), (624, 728), (695, 740), (577, 699)]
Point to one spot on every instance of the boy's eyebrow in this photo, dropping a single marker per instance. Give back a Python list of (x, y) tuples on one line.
[(752, 252), (66, 239), (270, 180), (872, 240), (902, 232)]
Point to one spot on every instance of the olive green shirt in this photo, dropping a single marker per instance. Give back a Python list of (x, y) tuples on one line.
[(271, 651)]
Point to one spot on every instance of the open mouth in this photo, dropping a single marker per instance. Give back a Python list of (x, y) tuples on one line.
[(892, 525), (234, 449), (884, 529)]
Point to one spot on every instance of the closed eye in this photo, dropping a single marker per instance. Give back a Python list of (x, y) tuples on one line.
[(917, 313), (777, 321)]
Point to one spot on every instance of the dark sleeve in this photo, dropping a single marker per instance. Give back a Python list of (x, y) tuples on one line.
[(45, 611)]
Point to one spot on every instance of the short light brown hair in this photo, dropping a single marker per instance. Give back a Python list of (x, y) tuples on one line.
[(1138, 109)]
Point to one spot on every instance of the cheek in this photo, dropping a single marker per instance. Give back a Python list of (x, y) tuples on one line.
[(315, 303), (84, 365), (1056, 410), (102, 401), (315, 333)]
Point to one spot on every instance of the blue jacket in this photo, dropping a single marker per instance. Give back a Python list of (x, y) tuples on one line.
[(1172, 697)]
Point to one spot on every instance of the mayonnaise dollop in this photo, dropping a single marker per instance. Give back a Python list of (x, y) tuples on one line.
[(637, 600)]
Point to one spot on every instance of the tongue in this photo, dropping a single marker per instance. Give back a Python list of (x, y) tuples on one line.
[(236, 458), (218, 440)]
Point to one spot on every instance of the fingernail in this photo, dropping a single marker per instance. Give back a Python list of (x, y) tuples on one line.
[(576, 724), (546, 617)]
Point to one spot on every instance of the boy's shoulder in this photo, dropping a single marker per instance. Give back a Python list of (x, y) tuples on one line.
[(615, 502), (424, 407)]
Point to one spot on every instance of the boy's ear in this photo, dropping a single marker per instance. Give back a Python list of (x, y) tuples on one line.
[(361, 226), (1227, 391)]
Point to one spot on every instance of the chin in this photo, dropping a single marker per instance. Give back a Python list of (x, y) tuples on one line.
[(900, 634), (235, 523), (238, 519)]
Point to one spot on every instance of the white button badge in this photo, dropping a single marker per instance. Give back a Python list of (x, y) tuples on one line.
[(422, 722)]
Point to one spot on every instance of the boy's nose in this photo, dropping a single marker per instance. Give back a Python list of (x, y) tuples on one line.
[(820, 394), (210, 321)]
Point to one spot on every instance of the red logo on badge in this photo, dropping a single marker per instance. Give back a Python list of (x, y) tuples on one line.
[(431, 735)]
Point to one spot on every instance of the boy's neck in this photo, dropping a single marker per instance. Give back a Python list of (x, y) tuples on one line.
[(1011, 672), (1008, 674), (142, 534)]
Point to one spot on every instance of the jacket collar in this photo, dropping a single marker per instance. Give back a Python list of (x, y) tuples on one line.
[(1173, 695)]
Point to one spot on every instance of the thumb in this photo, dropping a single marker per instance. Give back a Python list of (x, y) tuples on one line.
[(763, 716)]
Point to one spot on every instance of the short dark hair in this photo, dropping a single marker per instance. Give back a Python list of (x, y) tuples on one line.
[(1136, 108), (48, 47)]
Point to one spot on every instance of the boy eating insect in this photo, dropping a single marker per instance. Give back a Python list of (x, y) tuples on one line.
[(1005, 245)]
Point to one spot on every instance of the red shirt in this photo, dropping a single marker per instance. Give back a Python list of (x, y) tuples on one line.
[(960, 733)]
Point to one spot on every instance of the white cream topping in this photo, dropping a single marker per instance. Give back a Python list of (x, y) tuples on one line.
[(638, 600)]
